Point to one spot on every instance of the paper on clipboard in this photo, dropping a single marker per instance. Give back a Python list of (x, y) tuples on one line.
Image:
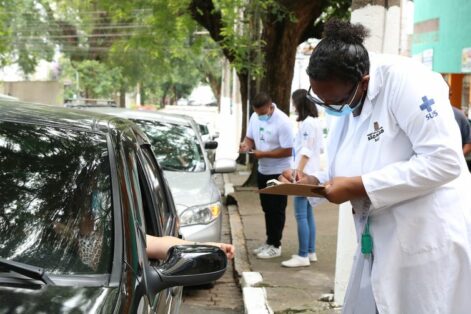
[(297, 189)]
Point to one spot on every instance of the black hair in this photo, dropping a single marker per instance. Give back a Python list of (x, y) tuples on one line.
[(340, 55), (303, 105), (260, 100)]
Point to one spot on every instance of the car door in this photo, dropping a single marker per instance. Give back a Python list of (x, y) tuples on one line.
[(160, 220)]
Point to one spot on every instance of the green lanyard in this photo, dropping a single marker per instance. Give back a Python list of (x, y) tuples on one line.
[(366, 239)]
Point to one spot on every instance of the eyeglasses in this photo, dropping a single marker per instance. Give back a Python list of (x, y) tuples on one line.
[(336, 107)]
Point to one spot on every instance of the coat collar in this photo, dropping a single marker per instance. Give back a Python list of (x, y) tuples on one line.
[(376, 78)]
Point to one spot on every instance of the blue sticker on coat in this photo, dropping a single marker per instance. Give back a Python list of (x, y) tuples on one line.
[(427, 105)]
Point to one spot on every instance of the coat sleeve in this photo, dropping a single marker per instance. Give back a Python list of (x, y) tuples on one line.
[(308, 138), (420, 107)]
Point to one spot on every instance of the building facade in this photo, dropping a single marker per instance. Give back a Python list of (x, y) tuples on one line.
[(442, 41)]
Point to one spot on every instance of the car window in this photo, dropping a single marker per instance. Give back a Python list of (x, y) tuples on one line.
[(203, 129), (55, 198), (160, 208), (176, 147)]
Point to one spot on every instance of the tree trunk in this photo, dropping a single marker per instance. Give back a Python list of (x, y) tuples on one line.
[(122, 96), (281, 34), (282, 39), (243, 99), (142, 92), (215, 84)]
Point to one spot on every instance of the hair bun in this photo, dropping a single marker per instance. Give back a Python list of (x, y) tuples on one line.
[(345, 31)]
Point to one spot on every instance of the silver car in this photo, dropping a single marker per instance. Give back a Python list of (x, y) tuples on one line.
[(180, 151)]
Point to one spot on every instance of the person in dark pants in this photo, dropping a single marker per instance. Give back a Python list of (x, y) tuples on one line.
[(270, 138), (465, 130), (274, 207)]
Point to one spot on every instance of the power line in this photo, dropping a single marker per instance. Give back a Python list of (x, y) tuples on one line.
[(78, 12), (95, 26), (76, 36)]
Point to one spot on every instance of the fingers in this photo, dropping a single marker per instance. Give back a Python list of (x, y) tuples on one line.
[(288, 173), (283, 179), (299, 175), (228, 249)]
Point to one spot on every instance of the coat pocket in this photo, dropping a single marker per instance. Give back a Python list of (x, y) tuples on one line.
[(420, 228)]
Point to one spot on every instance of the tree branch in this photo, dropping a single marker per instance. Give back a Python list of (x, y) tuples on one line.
[(204, 12)]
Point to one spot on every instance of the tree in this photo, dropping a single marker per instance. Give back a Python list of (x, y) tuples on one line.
[(145, 44), (23, 35), (260, 38), (94, 79)]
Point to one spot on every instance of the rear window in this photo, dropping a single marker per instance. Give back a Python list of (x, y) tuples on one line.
[(55, 198), (175, 146)]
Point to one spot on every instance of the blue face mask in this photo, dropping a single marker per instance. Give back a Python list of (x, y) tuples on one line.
[(345, 109), (264, 117)]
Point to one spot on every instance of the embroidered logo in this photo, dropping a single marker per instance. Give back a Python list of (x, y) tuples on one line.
[(427, 105), (378, 130), (262, 138)]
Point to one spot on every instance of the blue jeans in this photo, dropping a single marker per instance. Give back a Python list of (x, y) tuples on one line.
[(306, 226)]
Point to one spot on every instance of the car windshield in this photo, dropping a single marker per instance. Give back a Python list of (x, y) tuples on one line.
[(55, 199), (175, 146)]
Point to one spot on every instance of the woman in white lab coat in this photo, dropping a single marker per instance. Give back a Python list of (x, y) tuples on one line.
[(394, 151), (306, 160)]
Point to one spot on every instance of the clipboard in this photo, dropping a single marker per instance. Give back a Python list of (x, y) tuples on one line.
[(308, 190)]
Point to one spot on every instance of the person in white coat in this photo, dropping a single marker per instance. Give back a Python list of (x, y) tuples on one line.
[(395, 153), (308, 144)]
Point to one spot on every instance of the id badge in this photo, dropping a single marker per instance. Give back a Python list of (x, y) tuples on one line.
[(366, 243)]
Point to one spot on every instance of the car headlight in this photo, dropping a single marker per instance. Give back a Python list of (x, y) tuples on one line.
[(200, 214)]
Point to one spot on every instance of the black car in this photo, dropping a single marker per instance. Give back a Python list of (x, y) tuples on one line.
[(78, 194)]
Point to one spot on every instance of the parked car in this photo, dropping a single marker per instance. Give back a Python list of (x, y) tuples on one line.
[(179, 149), (78, 194), (89, 102), (182, 102), (207, 138), (203, 134)]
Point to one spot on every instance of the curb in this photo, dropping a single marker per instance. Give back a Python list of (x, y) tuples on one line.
[(254, 296)]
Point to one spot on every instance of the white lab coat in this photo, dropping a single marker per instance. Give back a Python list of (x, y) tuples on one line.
[(419, 192)]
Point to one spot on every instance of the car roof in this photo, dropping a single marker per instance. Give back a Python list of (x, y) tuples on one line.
[(22, 112), (144, 115)]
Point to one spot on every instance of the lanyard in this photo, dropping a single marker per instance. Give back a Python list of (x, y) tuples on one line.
[(366, 239)]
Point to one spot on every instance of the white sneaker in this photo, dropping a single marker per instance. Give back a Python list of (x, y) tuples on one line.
[(296, 261), (312, 257), (270, 252), (260, 248)]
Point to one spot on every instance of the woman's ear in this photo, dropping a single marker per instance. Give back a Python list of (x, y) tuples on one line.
[(364, 82)]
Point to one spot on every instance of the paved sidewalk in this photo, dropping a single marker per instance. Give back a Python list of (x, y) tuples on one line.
[(289, 290), (225, 296)]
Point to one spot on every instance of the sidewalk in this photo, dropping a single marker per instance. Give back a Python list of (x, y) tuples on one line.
[(289, 290)]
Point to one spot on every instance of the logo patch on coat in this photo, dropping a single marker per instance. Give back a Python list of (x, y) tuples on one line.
[(427, 105), (378, 130)]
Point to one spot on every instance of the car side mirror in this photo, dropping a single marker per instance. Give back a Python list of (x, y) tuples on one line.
[(215, 135), (187, 265), (211, 145), (224, 166)]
